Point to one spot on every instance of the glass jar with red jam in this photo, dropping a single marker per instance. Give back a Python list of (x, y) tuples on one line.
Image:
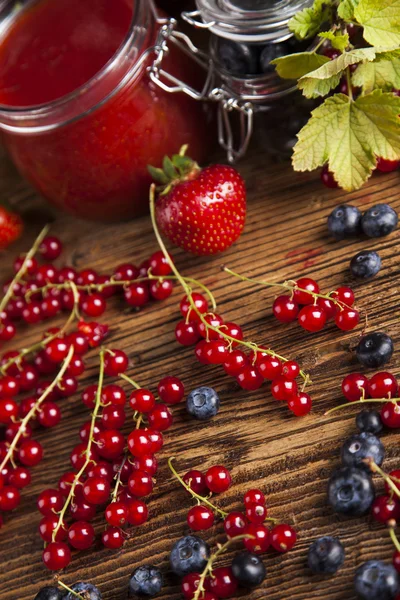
[(78, 112)]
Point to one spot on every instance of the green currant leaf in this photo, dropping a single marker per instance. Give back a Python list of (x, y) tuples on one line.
[(338, 41), (294, 66), (380, 20), (307, 22), (346, 9), (384, 75), (349, 136)]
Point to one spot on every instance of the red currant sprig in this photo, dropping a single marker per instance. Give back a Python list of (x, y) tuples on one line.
[(396, 543)]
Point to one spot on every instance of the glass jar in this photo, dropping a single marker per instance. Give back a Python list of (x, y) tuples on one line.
[(86, 121)]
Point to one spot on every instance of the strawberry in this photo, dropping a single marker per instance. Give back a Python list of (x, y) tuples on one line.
[(201, 210), (10, 227)]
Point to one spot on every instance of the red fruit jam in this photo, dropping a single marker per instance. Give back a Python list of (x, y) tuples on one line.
[(79, 114)]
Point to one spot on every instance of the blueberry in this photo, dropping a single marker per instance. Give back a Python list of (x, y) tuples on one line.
[(365, 264), (326, 555), (375, 349), (248, 569), (145, 582), (361, 446), (203, 403), (375, 580), (369, 420), (189, 554), (344, 221), (238, 59), (270, 52), (49, 593), (380, 220), (86, 590), (351, 491)]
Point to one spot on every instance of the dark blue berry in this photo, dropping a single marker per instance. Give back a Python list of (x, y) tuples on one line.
[(369, 420), (351, 491), (49, 593), (145, 582), (203, 403), (365, 264), (375, 349), (189, 554), (380, 220), (344, 221), (375, 580), (270, 52), (236, 58), (86, 590), (360, 446), (248, 569), (326, 555)]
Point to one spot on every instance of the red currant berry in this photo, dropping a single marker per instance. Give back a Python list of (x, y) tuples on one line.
[(50, 501), (27, 404), (56, 556), (187, 311), (159, 264), (50, 248), (30, 453), (79, 454), (32, 313), (331, 53), (161, 290), (15, 428), (28, 378), (216, 352), (137, 294), (260, 538), (110, 444), (146, 463), (312, 318), (112, 538), (200, 518), (137, 512), (156, 438), (57, 350), (50, 307), (8, 410), (43, 364), (327, 176), (79, 341), (235, 524), (113, 394), (285, 309), (213, 320), (385, 508), (250, 378), (196, 481), (9, 498), (65, 482), (395, 477), (187, 334), (76, 366), (89, 396), (383, 385), (171, 390), (7, 330), (387, 166), (347, 319), (94, 305), (270, 367), (290, 369), (31, 265), (344, 295), (305, 285), (115, 363), (47, 527), (140, 484), (67, 386), (142, 401), (200, 352), (256, 513), (113, 417), (283, 388), (96, 490), (116, 514), (355, 386), (160, 417), (67, 274), (139, 443), (300, 404), (235, 362), (81, 535), (283, 537), (233, 331), (49, 414), (9, 387), (328, 306), (218, 479), (253, 496), (223, 583), (82, 511), (20, 477), (46, 274), (87, 277), (390, 415), (189, 585), (126, 272)]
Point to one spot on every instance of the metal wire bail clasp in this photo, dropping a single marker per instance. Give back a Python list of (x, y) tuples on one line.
[(227, 108)]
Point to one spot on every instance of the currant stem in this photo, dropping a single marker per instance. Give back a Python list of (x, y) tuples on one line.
[(187, 290), (87, 462), (21, 272), (362, 401), (35, 408), (118, 480), (208, 568), (131, 381), (287, 285), (192, 493), (394, 538), (375, 469), (43, 343), (63, 585)]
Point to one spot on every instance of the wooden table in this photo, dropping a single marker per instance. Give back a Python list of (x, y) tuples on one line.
[(291, 459)]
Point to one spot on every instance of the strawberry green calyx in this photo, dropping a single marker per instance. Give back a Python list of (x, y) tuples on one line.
[(175, 170)]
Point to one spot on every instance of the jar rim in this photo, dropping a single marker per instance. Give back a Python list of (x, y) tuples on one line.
[(12, 118)]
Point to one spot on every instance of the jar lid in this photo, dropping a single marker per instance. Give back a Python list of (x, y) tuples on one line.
[(249, 20)]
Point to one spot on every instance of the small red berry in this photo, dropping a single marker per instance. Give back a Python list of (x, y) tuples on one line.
[(223, 583), (160, 417), (285, 309), (146, 463), (347, 319), (110, 444), (260, 538), (137, 512), (283, 537), (395, 477), (256, 513), (328, 306), (115, 363), (290, 369), (50, 501), (384, 509), (200, 518), (57, 349), (383, 385), (116, 514), (142, 400), (283, 388), (216, 352), (387, 166), (186, 308), (235, 362), (113, 394), (300, 404), (171, 390), (137, 294), (159, 264), (50, 248), (161, 290), (47, 526), (312, 318), (139, 443), (113, 417), (215, 321), (49, 414), (355, 386), (345, 295), (270, 367), (112, 538), (235, 524), (218, 479), (81, 535), (249, 378), (30, 453), (327, 176), (303, 295), (187, 334), (8, 410), (196, 481), (390, 415), (10, 498), (253, 496), (126, 272), (96, 490), (20, 477), (140, 484), (56, 556)]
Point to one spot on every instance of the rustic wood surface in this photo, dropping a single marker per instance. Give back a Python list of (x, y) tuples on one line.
[(253, 435)]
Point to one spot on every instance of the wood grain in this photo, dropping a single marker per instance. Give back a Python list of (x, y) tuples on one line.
[(291, 459)]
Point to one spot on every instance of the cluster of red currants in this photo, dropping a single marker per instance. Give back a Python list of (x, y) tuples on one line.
[(217, 342), (109, 469), (380, 388), (313, 310)]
